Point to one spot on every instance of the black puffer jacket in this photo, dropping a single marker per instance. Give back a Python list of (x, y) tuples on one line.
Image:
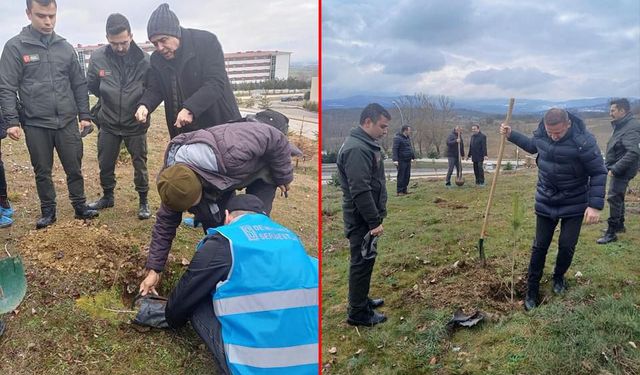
[(48, 80), (623, 148), (119, 83), (361, 174), (402, 149), (571, 172), (195, 79)]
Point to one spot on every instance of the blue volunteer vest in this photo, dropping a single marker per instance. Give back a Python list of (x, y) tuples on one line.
[(268, 306)]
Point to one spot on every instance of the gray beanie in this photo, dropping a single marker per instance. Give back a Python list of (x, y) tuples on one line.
[(163, 22)]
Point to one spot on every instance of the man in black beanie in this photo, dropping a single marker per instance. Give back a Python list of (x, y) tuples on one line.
[(188, 74), (117, 76)]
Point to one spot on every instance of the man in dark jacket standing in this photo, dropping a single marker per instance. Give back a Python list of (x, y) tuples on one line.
[(201, 172), (478, 153), (364, 200), (117, 76), (455, 151), (402, 155), (570, 189), (188, 74), (43, 69), (622, 161)]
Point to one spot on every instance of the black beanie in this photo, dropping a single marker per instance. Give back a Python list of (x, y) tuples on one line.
[(163, 22), (117, 23)]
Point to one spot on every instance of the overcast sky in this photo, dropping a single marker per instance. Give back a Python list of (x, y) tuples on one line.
[(481, 48), (284, 25)]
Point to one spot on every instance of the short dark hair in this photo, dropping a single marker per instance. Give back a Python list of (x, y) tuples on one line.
[(44, 3), (404, 127), (476, 125), (117, 23), (373, 112), (556, 116), (621, 103)]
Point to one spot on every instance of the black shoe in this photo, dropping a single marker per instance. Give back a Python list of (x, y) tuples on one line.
[(376, 302), (48, 217), (608, 237), (84, 212), (372, 321), (559, 286), (143, 211), (102, 203), (530, 302)]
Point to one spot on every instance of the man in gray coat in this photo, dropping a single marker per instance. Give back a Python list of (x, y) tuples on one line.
[(622, 160), (43, 69), (117, 76)]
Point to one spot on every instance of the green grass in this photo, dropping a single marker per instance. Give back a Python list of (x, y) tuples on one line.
[(422, 239)]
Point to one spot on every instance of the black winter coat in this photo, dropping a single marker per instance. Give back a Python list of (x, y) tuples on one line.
[(623, 148), (571, 172), (452, 145), (402, 149), (195, 79), (119, 84), (478, 147), (362, 179), (47, 78)]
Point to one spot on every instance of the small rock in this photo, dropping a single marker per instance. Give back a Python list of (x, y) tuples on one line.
[(456, 348), (31, 345), (359, 351), (633, 344), (333, 350), (455, 265), (433, 281), (433, 361), (578, 274), (402, 318)]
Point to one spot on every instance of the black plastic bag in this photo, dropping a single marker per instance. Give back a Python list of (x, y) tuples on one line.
[(150, 311)]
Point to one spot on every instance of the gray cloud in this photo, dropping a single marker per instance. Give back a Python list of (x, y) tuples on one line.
[(516, 78), (410, 61)]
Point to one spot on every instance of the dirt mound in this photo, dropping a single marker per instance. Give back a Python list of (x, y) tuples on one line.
[(76, 258), (443, 203), (470, 286)]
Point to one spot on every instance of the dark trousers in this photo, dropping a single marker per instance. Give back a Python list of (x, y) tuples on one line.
[(265, 191), (67, 142), (360, 271), (108, 151), (545, 227), (404, 174), (3, 177), (478, 171), (453, 162), (615, 197), (207, 326)]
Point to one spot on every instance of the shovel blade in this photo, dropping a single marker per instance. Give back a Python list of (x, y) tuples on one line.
[(13, 284)]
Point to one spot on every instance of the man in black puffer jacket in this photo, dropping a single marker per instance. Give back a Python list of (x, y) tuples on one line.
[(402, 154), (571, 181), (622, 160)]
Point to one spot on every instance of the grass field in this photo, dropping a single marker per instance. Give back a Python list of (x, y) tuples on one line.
[(82, 276), (593, 329)]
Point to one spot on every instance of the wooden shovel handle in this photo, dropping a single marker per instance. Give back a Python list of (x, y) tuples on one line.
[(495, 176)]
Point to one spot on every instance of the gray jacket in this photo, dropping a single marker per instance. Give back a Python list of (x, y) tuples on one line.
[(47, 79), (623, 148), (119, 83)]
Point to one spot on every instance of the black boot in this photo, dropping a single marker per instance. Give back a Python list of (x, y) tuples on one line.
[(530, 301), (372, 320), (105, 201), (48, 218), (143, 209), (559, 285), (609, 236), (84, 212)]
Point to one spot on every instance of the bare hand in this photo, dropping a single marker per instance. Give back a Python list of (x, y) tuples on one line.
[(141, 114), (14, 133), (185, 117), (610, 174), (395, 163), (377, 231), (505, 129), (149, 283), (84, 124), (591, 215), (284, 190), (486, 158)]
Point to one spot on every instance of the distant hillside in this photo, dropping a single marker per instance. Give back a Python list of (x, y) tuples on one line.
[(303, 72), (487, 106)]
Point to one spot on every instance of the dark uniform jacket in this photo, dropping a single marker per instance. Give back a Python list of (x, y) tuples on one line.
[(402, 149), (242, 151), (362, 179), (478, 147), (571, 172), (195, 79), (452, 145), (623, 148), (119, 83), (48, 80)]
